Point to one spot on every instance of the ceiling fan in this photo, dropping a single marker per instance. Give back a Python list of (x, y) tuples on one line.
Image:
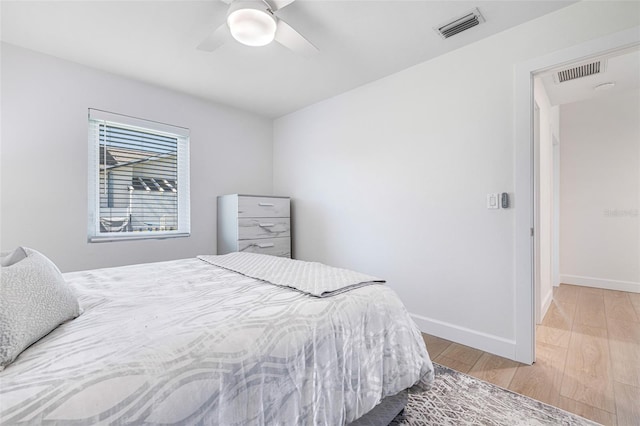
[(254, 23)]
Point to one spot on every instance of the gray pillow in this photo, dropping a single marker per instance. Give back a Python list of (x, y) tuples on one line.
[(34, 300)]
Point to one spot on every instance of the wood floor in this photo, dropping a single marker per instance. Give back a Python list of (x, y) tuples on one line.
[(587, 356)]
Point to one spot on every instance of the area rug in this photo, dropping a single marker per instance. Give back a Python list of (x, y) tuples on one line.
[(459, 399)]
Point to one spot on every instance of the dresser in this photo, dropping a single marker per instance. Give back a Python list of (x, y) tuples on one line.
[(255, 224)]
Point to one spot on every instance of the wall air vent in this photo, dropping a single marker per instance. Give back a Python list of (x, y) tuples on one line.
[(460, 24), (579, 71)]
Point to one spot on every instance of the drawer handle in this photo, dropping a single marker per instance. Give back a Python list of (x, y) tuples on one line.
[(266, 225), (266, 204), (265, 245)]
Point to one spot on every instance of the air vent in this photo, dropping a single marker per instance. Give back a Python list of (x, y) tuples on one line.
[(580, 71), (460, 24)]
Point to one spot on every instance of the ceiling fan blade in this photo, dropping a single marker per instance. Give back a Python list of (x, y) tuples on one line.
[(278, 4), (291, 39), (216, 39)]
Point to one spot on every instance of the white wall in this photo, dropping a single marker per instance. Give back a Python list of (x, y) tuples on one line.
[(391, 178), (549, 129), (44, 158), (600, 185)]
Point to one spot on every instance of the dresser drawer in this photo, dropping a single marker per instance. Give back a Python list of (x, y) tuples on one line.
[(250, 229), (263, 207), (273, 246)]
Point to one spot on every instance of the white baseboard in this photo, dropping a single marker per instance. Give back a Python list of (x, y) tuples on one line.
[(505, 348), (546, 302), (629, 286)]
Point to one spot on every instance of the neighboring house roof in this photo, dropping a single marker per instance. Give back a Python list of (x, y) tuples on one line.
[(144, 179), (111, 160), (118, 157)]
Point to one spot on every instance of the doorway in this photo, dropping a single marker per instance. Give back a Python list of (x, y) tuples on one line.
[(592, 106), (525, 212)]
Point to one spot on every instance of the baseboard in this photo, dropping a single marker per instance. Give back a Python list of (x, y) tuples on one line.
[(486, 342), (546, 303), (629, 286)]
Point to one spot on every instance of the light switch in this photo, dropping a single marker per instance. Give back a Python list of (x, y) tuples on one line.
[(493, 201)]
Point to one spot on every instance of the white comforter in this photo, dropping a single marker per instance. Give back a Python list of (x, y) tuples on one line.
[(185, 342)]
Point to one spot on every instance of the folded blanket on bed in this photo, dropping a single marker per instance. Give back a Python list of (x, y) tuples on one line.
[(313, 278)]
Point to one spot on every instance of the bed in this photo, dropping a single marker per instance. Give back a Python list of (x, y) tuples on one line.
[(192, 342)]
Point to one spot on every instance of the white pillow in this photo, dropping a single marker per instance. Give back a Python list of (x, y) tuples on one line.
[(11, 257), (34, 300)]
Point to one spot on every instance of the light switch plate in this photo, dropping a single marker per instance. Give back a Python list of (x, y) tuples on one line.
[(493, 201)]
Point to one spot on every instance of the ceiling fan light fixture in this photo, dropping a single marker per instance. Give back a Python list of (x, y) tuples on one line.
[(252, 26)]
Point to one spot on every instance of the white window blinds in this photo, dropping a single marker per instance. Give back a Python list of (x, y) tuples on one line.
[(138, 178)]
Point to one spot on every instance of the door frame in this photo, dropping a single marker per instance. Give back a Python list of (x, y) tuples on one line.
[(524, 175), (535, 151)]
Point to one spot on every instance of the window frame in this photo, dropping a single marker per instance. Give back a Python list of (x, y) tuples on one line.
[(97, 117)]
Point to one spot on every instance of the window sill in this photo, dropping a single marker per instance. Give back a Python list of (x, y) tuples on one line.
[(137, 236)]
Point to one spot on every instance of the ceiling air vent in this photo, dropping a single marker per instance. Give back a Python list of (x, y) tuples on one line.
[(579, 71), (460, 24)]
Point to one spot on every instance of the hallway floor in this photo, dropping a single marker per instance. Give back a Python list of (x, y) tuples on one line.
[(587, 356)]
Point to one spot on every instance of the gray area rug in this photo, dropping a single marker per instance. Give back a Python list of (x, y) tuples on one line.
[(458, 399)]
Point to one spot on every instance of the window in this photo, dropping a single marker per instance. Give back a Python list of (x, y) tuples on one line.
[(138, 178)]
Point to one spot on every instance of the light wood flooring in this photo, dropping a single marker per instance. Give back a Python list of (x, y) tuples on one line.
[(587, 356)]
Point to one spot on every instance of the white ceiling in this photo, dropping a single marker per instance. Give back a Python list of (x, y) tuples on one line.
[(155, 41), (621, 68)]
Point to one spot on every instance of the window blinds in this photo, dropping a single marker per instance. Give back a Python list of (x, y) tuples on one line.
[(138, 178)]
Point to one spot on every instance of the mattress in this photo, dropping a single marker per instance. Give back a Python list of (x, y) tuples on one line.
[(187, 342)]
